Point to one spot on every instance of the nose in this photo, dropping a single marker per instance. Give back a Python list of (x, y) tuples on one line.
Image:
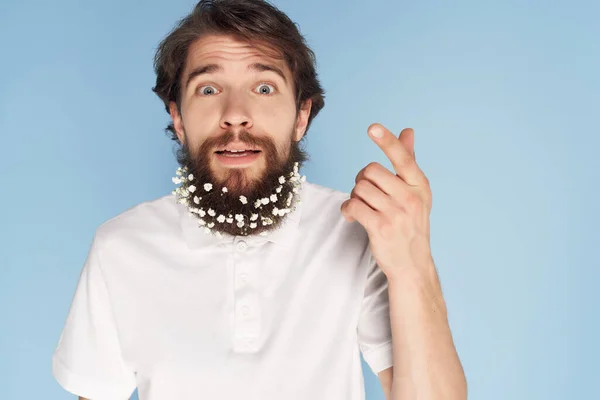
[(235, 115)]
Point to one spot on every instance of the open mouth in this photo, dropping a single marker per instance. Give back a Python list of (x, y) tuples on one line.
[(237, 158), (237, 153)]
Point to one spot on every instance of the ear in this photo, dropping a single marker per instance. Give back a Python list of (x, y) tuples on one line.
[(177, 121), (302, 121)]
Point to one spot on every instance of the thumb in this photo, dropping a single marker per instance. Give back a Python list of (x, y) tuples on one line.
[(407, 138)]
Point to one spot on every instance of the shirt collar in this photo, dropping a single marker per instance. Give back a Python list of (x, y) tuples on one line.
[(284, 235)]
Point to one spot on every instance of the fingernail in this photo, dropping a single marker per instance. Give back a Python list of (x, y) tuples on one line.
[(377, 133)]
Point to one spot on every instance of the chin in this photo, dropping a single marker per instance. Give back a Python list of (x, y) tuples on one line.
[(239, 180), (252, 172)]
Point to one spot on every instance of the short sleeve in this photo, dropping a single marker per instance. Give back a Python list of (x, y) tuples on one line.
[(87, 360), (374, 327)]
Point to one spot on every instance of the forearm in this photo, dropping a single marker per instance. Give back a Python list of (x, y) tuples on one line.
[(426, 364)]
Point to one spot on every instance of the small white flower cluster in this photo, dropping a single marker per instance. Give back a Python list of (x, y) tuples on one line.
[(184, 192)]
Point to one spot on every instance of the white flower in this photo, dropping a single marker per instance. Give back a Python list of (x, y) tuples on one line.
[(229, 220), (240, 224), (221, 218), (207, 186), (224, 189), (178, 172), (202, 222), (196, 199), (282, 179), (239, 217), (207, 230), (264, 233), (211, 212), (191, 177), (210, 225), (176, 181), (202, 212), (278, 190), (192, 188), (257, 203), (264, 201), (275, 211), (243, 200), (273, 198), (253, 225), (253, 217)]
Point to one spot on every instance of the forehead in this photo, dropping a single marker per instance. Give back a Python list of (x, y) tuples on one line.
[(228, 50)]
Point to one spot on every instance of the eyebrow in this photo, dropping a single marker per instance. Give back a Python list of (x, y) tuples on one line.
[(212, 68)]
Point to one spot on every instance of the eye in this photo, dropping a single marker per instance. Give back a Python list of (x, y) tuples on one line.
[(207, 90), (266, 89)]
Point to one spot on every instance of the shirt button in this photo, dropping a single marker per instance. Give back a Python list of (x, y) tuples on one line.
[(242, 246)]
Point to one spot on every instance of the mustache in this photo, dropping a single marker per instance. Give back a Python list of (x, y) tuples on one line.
[(242, 136)]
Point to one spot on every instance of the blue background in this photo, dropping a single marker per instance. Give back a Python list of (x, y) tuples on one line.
[(504, 100)]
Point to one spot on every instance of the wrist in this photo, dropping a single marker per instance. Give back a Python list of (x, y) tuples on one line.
[(417, 284)]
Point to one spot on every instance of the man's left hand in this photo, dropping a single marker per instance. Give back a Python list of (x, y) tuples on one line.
[(393, 208)]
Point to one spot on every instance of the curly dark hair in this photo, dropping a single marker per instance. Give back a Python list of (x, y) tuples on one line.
[(254, 21)]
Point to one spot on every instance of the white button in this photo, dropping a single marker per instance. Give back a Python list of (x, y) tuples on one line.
[(243, 278), (245, 310), (242, 246)]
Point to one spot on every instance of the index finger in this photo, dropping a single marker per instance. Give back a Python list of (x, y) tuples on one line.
[(402, 160)]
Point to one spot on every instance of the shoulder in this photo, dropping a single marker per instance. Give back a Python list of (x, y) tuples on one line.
[(322, 213), (318, 197), (159, 216)]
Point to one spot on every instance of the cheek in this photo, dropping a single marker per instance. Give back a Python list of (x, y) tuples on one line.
[(278, 121), (199, 122)]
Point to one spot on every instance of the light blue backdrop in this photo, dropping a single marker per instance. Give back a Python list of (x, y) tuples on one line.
[(504, 100)]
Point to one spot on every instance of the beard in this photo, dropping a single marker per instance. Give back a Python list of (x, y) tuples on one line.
[(237, 204)]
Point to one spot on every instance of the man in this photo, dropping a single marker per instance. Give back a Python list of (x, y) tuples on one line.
[(249, 282)]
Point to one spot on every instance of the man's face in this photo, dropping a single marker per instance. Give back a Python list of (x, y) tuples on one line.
[(232, 99)]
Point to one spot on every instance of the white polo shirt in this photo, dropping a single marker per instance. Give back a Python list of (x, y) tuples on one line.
[(181, 314)]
